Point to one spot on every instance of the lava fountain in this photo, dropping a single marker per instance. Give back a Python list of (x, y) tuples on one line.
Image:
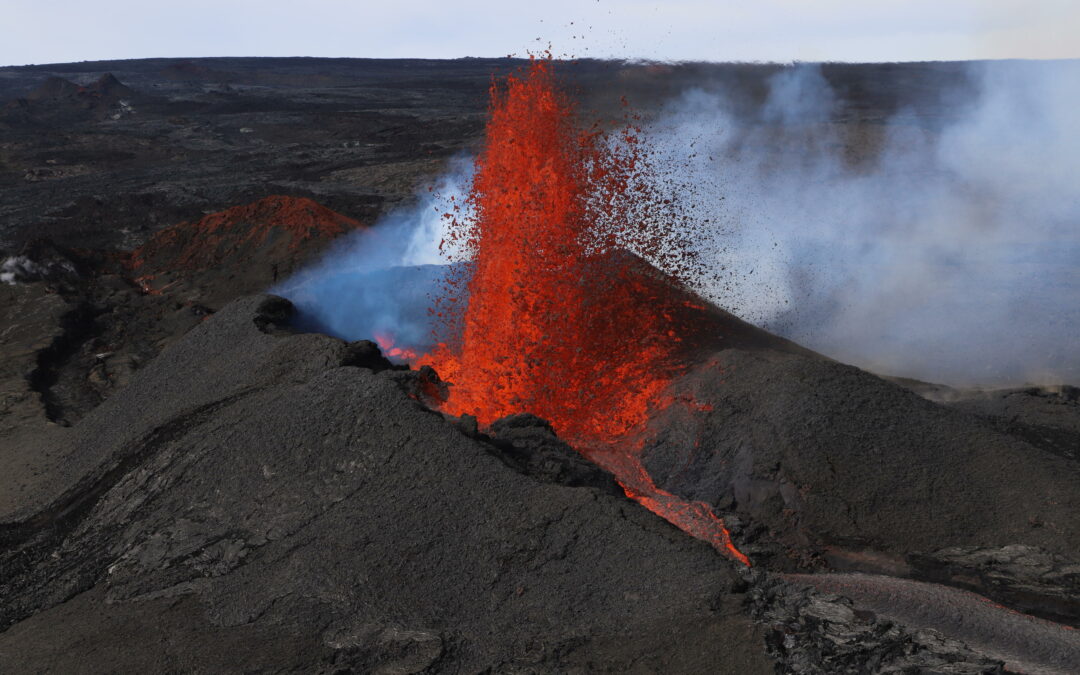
[(558, 315)]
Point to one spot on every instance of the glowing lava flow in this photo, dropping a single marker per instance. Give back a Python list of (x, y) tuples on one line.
[(559, 319), (695, 518), (386, 345)]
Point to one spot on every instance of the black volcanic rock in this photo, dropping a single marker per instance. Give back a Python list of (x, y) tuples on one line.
[(422, 385), (41, 260), (814, 632), (1046, 417), (107, 85), (143, 300), (35, 322), (824, 454), (54, 88), (58, 100), (1023, 643), (529, 444), (1024, 577), (105, 89), (366, 354), (250, 502), (189, 71)]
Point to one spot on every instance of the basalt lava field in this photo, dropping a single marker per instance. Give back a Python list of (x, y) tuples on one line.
[(229, 441)]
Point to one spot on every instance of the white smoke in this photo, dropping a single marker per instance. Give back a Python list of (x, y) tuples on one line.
[(21, 269), (953, 256), (381, 281)]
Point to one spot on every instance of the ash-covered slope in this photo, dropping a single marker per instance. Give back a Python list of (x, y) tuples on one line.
[(829, 465), (828, 455), (260, 500), (835, 462), (831, 459), (834, 455)]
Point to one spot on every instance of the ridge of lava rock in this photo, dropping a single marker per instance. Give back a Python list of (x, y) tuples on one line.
[(250, 485), (281, 222)]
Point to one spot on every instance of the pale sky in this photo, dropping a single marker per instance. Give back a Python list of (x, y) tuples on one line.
[(51, 31)]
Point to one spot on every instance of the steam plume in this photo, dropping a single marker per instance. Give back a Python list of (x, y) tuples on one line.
[(378, 283), (953, 255), (948, 250)]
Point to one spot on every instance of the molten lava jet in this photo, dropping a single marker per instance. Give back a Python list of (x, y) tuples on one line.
[(558, 315)]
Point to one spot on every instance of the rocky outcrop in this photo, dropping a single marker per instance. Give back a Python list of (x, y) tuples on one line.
[(529, 444), (816, 632), (1023, 643), (1024, 577)]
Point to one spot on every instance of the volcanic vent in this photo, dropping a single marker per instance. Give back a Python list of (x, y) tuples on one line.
[(558, 315)]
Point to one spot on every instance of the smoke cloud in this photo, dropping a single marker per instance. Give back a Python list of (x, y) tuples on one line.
[(379, 283), (951, 252), (942, 247)]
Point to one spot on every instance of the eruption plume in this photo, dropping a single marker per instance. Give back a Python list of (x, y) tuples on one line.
[(558, 315), (571, 254), (555, 322), (948, 253)]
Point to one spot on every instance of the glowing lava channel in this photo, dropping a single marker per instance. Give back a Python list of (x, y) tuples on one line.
[(556, 318)]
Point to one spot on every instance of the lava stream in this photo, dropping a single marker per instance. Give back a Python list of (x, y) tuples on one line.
[(695, 518)]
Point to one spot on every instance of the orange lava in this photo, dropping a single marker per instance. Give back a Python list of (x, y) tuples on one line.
[(558, 318), (695, 518), (552, 326), (386, 345)]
